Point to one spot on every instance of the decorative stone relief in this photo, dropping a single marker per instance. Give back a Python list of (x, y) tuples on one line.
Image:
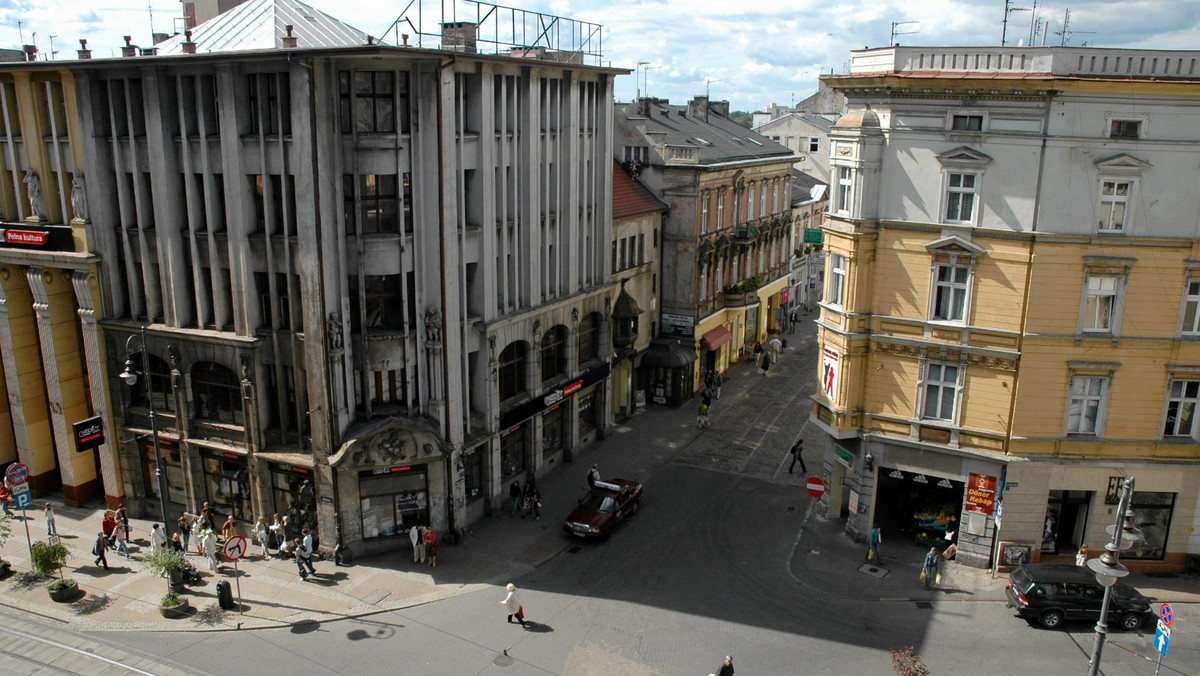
[(898, 349), (333, 333), (993, 362), (37, 202), (433, 328), (79, 203)]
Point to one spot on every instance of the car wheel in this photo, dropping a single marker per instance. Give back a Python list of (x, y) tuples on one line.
[(1131, 621), (1052, 619)]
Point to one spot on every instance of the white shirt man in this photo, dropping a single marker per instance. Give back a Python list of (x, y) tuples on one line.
[(157, 537)]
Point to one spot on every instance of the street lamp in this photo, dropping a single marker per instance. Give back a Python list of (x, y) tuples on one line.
[(1108, 569), (130, 377)]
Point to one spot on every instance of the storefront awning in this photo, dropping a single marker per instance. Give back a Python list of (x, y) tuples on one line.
[(716, 338), (668, 355)]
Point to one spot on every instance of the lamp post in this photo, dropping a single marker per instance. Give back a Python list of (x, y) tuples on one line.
[(1108, 568), (130, 377)]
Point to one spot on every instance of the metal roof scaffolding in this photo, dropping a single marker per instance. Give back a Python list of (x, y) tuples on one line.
[(502, 29)]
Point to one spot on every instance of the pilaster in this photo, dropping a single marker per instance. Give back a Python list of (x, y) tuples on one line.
[(86, 292)]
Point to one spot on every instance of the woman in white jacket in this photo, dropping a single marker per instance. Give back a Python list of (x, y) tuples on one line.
[(514, 606)]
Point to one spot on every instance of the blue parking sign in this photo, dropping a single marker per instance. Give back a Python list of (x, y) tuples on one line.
[(22, 500)]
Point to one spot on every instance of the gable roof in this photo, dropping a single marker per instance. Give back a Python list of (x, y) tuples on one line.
[(820, 122), (631, 198), (262, 24), (717, 138)]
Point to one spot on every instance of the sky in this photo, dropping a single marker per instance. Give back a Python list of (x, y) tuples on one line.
[(752, 55)]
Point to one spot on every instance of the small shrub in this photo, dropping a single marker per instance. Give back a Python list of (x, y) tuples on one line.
[(59, 585), (905, 663), (47, 560), (171, 600)]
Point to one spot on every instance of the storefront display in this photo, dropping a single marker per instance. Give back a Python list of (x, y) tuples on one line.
[(553, 430), (227, 484), (917, 506), (392, 501), (1152, 515), (294, 495), (512, 452)]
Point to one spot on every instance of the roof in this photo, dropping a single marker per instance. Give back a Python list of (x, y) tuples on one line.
[(630, 198), (819, 121), (802, 183), (262, 24), (718, 138)]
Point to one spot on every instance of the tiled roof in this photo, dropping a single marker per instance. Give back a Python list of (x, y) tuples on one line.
[(262, 24), (803, 187), (631, 198), (718, 138)]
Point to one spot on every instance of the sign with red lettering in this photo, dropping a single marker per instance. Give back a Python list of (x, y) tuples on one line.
[(981, 494)]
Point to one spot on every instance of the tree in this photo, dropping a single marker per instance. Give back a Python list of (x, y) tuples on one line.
[(905, 663), (743, 118)]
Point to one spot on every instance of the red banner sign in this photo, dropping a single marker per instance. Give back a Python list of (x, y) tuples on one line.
[(35, 237), (981, 494)]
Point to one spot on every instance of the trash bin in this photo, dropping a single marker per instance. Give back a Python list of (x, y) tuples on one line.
[(224, 595), (785, 342)]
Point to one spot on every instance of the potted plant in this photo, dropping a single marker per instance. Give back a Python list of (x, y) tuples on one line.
[(47, 560), (169, 563)]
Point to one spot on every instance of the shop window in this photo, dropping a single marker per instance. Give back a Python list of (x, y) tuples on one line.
[(472, 467), (512, 371), (159, 382), (587, 412), (227, 485), (554, 353), (217, 392), (1152, 514), (553, 431), (392, 504), (294, 495), (172, 468), (512, 454), (1066, 521)]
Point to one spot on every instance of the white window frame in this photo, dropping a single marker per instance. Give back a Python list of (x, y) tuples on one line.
[(814, 144), (949, 190), (1191, 305), (751, 192), (954, 287), (721, 210), (775, 196), (762, 201), (1091, 311), (1080, 396), (845, 189), (940, 388), (1107, 204), (1177, 395), (837, 279), (704, 213)]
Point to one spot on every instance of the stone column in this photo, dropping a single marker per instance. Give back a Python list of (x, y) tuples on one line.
[(86, 293), (23, 382)]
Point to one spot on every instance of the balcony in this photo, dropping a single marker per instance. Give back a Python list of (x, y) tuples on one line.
[(745, 233), (740, 299)]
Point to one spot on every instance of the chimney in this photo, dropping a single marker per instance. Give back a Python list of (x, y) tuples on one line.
[(159, 37), (459, 36), (291, 41), (719, 108), (697, 108), (188, 46), (404, 37), (31, 52), (84, 52), (129, 49)]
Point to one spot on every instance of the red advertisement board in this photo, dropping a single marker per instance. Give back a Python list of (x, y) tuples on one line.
[(981, 493)]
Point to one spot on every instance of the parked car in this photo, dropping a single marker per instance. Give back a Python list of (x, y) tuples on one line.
[(605, 505), (1053, 593)]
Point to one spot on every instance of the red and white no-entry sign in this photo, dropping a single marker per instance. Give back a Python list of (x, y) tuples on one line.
[(815, 486)]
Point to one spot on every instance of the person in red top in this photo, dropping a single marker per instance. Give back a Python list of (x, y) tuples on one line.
[(431, 546), (108, 524), (5, 497)]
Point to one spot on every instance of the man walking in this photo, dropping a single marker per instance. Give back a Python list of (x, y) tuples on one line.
[(157, 537), (873, 542), (414, 536), (100, 549), (797, 450), (717, 382), (593, 475), (304, 556), (726, 667)]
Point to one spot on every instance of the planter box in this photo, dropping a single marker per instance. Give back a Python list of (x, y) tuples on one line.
[(741, 299), (175, 612), (63, 594)]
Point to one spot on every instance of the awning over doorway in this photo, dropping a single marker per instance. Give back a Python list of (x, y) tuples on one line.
[(668, 355), (716, 338)]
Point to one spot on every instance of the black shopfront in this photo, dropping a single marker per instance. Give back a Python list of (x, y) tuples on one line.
[(517, 442)]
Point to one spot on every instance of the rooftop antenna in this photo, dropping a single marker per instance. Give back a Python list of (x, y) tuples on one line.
[(53, 51), (21, 30), (150, 9), (708, 81), (1008, 9), (1066, 33), (1033, 22), (637, 80), (892, 40)]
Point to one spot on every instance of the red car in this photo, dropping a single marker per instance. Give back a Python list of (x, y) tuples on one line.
[(606, 504)]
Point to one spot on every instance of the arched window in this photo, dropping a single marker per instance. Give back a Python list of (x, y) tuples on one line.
[(217, 392), (160, 384), (589, 337), (512, 370), (554, 353)]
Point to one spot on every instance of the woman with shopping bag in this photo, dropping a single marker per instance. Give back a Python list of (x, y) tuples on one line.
[(929, 570), (515, 609)]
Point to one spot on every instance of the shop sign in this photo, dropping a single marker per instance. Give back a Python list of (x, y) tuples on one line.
[(292, 468), (981, 493), (512, 419), (920, 478), (562, 393), (1113, 496), (896, 474), (853, 501), (844, 458), (683, 326), (89, 434), (813, 236), (784, 295), (392, 470), (945, 483), (56, 238), (830, 360)]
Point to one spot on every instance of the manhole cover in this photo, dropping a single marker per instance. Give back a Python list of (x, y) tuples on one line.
[(924, 605), (574, 549), (872, 570)]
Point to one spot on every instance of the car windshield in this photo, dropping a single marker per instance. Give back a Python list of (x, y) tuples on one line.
[(599, 503), (1020, 580)]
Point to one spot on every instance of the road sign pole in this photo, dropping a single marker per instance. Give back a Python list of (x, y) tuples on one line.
[(237, 579), (1158, 665), (28, 540)]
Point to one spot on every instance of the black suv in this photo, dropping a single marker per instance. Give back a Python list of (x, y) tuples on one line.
[(1051, 593)]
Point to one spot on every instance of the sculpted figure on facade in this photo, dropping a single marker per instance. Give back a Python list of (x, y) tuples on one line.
[(79, 203), (37, 203), (433, 327)]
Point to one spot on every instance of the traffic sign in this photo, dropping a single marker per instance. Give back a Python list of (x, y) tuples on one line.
[(55, 540), (1162, 638), (22, 500), (1166, 613), (18, 473), (17, 489), (815, 486), (235, 547)]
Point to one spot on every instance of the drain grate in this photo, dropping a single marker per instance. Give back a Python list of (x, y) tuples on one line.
[(791, 509), (574, 549), (924, 605)]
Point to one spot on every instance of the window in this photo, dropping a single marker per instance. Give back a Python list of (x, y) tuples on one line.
[(217, 393), (1191, 308), (637, 154), (512, 371), (368, 102), (814, 144), (941, 387), (1087, 397), (554, 353), (383, 300), (512, 453), (750, 202), (1100, 303), (845, 189), (270, 110), (1182, 398), (762, 201), (720, 211), (391, 504), (473, 473), (960, 198), (1152, 515), (159, 380), (704, 213), (950, 291), (967, 123), (589, 338), (1114, 201), (377, 204), (587, 412), (1125, 129), (227, 486), (837, 278)]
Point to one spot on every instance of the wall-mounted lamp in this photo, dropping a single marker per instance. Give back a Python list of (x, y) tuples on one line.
[(869, 462)]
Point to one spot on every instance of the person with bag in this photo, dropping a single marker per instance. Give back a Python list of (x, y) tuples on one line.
[(431, 546), (537, 504), (118, 539), (515, 609), (873, 542), (414, 536), (929, 570), (260, 534), (100, 550), (5, 498)]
